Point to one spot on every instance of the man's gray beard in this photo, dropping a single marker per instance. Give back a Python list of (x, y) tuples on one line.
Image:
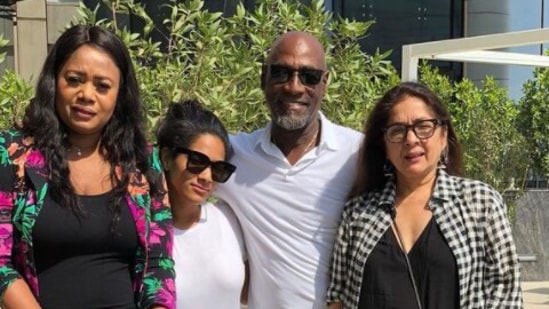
[(291, 123)]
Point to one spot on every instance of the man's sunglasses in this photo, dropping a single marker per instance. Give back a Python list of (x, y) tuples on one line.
[(307, 76), (198, 162)]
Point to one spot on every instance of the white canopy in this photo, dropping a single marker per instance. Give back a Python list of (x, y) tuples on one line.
[(476, 49)]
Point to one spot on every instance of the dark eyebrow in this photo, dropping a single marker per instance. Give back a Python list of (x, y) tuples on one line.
[(413, 122), (82, 73), (74, 72)]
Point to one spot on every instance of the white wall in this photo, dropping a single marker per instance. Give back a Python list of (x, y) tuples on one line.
[(39, 24), (496, 16), (484, 17)]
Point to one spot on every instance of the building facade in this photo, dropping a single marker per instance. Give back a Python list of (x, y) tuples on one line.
[(29, 24)]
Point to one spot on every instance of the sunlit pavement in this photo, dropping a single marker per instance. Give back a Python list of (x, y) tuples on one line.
[(536, 294)]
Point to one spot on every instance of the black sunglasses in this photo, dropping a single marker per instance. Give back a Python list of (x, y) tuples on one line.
[(198, 162), (307, 76)]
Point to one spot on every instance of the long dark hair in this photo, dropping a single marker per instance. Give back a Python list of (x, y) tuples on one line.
[(372, 159), (186, 121), (123, 140)]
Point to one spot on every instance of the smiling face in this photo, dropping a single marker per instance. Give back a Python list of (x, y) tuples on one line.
[(292, 104), (187, 188), (87, 90), (414, 158)]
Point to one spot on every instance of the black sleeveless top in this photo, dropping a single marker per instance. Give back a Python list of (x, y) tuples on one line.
[(387, 285), (81, 263)]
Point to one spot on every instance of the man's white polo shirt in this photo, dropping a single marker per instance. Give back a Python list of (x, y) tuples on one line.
[(290, 214)]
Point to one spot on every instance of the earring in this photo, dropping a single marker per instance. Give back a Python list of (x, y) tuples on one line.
[(388, 167), (444, 156)]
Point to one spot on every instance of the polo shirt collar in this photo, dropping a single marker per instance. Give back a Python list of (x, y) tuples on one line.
[(328, 138)]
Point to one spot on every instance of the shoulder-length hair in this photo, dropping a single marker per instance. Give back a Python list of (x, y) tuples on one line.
[(123, 139), (373, 157)]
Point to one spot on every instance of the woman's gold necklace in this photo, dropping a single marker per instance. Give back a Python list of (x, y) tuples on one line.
[(77, 150)]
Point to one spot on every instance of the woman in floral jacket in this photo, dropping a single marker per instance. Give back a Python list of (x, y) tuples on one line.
[(83, 218)]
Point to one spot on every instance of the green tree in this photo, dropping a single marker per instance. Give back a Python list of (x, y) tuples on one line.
[(218, 59), (533, 120), (485, 121)]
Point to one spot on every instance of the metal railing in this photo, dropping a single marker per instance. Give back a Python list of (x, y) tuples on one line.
[(7, 11), (527, 258)]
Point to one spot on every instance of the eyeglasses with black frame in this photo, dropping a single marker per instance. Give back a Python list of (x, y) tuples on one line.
[(423, 129), (309, 77), (198, 162)]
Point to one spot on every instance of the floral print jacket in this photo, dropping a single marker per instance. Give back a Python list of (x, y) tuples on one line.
[(153, 271)]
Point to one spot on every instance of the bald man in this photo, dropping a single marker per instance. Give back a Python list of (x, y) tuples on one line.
[(292, 180)]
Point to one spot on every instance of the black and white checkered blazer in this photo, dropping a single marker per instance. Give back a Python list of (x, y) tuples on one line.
[(472, 217)]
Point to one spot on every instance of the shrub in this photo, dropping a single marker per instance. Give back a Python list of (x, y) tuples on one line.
[(534, 119), (218, 59), (485, 121), (15, 93)]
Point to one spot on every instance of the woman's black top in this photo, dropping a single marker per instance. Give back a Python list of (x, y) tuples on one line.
[(82, 262), (386, 283)]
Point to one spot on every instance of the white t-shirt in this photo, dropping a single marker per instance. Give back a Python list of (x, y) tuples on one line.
[(290, 214), (209, 261)]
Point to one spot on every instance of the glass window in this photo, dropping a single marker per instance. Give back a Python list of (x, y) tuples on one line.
[(158, 12), (400, 22)]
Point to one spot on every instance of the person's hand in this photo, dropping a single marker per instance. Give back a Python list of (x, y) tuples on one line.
[(336, 305)]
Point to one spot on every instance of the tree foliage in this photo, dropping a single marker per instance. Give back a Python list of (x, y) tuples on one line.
[(534, 119), (217, 59), (485, 121), (15, 93)]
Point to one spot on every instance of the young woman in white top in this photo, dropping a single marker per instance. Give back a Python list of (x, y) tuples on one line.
[(209, 253)]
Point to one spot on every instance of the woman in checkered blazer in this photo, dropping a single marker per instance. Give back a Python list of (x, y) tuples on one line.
[(414, 233)]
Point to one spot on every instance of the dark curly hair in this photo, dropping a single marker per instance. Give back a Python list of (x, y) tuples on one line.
[(185, 121), (123, 140), (372, 158)]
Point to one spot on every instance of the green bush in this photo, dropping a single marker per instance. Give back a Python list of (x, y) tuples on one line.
[(485, 121), (3, 43), (217, 59), (15, 93), (534, 119)]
